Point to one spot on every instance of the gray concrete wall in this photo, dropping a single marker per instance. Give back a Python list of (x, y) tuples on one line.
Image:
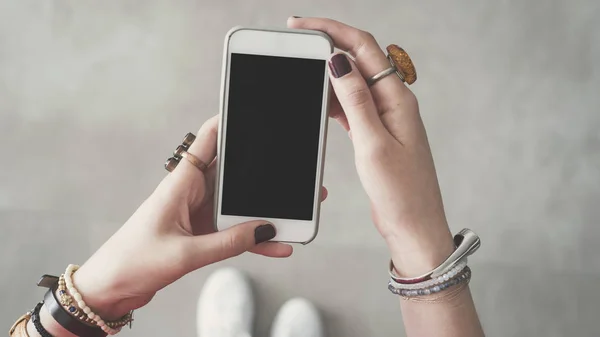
[(93, 95)]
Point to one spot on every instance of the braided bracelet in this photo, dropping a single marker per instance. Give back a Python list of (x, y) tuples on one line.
[(35, 318)]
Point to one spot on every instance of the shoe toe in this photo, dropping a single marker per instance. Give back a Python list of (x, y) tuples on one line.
[(226, 304), (298, 317)]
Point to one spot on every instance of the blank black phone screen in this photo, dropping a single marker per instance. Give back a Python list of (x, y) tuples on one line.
[(272, 136)]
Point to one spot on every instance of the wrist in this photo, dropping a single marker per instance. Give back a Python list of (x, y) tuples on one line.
[(418, 250), (100, 296), (50, 324)]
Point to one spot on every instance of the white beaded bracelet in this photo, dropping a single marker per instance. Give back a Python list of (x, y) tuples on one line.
[(77, 297)]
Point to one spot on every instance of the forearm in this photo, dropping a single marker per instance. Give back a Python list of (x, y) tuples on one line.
[(451, 312), (102, 302), (50, 324), (452, 317)]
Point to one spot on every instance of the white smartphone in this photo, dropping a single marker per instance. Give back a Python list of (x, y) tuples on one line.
[(272, 131)]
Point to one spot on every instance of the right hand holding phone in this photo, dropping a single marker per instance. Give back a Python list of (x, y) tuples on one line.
[(392, 153)]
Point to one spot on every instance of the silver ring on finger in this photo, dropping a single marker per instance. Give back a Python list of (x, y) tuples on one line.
[(391, 70), (400, 63)]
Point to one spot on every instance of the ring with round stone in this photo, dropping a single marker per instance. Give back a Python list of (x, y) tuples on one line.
[(400, 64)]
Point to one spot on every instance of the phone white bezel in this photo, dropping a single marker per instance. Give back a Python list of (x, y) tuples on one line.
[(285, 43)]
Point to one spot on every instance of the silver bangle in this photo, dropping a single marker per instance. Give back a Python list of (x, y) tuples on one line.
[(457, 270), (463, 277), (466, 242)]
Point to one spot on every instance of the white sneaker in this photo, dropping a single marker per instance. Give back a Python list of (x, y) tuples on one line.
[(297, 318), (226, 305)]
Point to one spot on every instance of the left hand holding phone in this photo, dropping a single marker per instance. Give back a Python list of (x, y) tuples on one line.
[(170, 235)]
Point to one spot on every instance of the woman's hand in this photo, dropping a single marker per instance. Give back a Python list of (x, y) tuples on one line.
[(392, 154), (170, 235), (396, 169)]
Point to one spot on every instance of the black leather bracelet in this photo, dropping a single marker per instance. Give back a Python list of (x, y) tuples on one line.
[(35, 318), (61, 315)]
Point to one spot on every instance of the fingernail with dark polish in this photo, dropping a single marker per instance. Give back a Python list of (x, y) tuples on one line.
[(264, 233), (296, 17), (339, 65)]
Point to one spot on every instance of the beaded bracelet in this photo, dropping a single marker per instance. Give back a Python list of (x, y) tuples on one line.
[(67, 302), (121, 322), (35, 318), (430, 283), (463, 277), (441, 297), (110, 328), (79, 300)]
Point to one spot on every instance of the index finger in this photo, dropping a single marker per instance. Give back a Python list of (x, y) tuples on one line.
[(369, 58), (204, 147)]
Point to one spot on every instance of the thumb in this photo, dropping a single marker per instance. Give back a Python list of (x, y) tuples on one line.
[(355, 98), (231, 242)]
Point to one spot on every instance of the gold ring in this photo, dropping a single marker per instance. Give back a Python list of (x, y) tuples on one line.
[(171, 164), (194, 160), (188, 140), (181, 152)]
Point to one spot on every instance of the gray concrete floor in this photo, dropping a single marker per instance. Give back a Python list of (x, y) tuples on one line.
[(93, 95)]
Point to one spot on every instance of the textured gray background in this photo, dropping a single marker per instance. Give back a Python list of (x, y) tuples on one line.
[(93, 95)]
